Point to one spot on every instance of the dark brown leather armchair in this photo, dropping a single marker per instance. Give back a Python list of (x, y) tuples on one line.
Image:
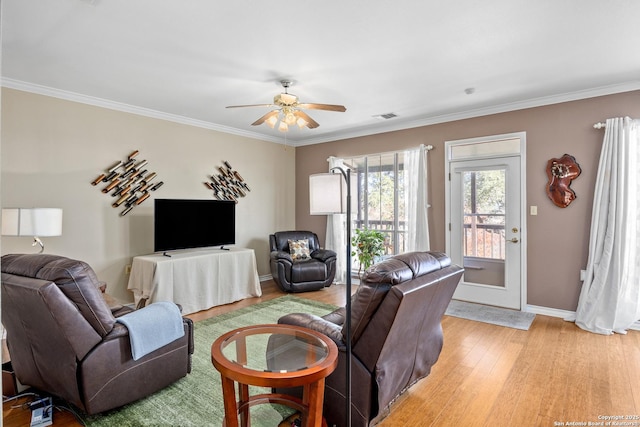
[(310, 274), (63, 338), (396, 334)]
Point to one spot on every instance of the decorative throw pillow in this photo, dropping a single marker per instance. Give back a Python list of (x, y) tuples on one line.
[(299, 249)]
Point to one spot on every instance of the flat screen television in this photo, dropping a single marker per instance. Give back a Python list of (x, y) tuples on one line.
[(185, 224)]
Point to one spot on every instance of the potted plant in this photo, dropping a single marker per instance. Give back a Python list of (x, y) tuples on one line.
[(368, 245)]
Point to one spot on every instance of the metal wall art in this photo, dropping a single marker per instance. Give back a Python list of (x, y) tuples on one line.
[(560, 173), (128, 182), (228, 184)]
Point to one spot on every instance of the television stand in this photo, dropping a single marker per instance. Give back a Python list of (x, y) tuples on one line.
[(198, 279)]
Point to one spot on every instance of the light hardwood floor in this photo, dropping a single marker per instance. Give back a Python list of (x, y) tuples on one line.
[(551, 375)]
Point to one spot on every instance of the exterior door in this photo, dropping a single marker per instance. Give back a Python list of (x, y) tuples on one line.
[(485, 231)]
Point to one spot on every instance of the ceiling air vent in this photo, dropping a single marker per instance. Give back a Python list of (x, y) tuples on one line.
[(386, 116)]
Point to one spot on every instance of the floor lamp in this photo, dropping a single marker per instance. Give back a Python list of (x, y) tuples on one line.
[(34, 222), (329, 194)]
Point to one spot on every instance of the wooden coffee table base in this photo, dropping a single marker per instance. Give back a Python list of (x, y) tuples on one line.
[(311, 379), (242, 407)]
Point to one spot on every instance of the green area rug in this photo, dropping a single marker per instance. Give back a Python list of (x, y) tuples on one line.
[(196, 400)]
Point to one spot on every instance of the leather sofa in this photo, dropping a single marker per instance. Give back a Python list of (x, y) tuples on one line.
[(311, 274), (64, 340), (396, 334)]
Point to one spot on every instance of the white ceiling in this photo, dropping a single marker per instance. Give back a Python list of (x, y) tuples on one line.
[(187, 60)]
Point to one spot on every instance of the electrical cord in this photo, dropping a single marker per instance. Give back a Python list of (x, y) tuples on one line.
[(62, 406), (18, 396)]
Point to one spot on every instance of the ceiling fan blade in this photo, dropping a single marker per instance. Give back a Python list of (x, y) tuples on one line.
[(251, 105), (327, 107), (311, 124), (266, 117)]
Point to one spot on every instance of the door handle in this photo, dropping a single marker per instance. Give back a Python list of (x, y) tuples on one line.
[(514, 240)]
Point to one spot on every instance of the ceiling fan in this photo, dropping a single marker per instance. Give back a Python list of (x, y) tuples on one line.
[(289, 111)]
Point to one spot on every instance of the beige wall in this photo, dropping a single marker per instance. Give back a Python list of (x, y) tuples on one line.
[(558, 238), (52, 149)]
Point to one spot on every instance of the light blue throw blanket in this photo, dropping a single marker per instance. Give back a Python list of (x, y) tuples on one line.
[(152, 327)]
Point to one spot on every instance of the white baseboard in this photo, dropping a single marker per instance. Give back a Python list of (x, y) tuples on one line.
[(547, 311), (564, 314)]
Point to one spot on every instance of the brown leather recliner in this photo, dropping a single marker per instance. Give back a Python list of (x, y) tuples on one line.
[(396, 334), (316, 272), (63, 338)]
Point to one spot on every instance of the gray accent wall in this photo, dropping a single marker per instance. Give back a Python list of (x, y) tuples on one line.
[(558, 239)]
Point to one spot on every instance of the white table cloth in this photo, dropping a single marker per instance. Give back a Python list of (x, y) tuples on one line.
[(196, 279)]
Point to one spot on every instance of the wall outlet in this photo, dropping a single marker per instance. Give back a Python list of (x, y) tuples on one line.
[(127, 269), (583, 275)]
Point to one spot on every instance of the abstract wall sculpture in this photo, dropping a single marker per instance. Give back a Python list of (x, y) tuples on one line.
[(561, 172), (227, 184), (128, 182)]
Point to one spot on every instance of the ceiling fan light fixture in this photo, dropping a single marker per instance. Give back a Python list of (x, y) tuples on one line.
[(271, 121), (289, 118), (285, 99), (289, 112)]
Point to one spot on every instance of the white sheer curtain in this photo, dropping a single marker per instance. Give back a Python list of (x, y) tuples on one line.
[(415, 164), (336, 232), (610, 297)]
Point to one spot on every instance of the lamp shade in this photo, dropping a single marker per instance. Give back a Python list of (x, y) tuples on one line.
[(328, 194), (40, 222)]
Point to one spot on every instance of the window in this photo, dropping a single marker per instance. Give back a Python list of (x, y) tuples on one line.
[(381, 198)]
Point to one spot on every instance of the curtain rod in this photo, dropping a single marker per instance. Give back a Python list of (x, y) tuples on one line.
[(427, 147), (599, 125)]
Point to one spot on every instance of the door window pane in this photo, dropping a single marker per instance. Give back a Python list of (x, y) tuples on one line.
[(484, 243), (474, 150)]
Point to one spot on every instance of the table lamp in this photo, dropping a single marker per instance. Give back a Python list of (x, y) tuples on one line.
[(34, 222), (329, 194)]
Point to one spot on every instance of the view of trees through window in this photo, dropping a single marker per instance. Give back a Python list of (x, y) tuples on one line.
[(381, 198), (484, 214)]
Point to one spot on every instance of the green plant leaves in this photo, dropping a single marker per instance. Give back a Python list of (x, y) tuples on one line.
[(368, 245)]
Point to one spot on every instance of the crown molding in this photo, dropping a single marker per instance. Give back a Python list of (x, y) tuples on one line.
[(127, 108), (333, 136), (479, 112)]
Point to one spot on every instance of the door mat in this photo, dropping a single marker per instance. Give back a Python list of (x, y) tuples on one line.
[(493, 315)]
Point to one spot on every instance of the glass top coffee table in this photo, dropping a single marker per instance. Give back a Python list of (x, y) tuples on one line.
[(274, 356)]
